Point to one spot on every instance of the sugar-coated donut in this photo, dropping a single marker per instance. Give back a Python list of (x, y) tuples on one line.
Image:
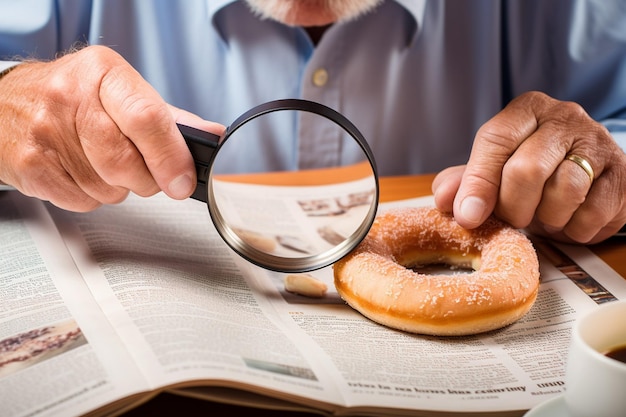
[(376, 278)]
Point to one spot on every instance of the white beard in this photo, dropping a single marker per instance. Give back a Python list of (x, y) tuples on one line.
[(292, 12)]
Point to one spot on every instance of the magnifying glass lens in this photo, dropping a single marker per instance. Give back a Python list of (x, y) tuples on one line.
[(292, 188)]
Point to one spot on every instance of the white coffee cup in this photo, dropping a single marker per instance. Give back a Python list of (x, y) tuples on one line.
[(596, 384)]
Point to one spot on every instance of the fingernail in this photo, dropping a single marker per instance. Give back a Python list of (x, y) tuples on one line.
[(473, 209), (180, 187)]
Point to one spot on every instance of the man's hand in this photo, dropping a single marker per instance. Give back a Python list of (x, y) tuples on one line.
[(87, 129), (518, 170)]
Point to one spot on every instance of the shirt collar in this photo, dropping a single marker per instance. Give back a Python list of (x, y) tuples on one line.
[(417, 9), (414, 7)]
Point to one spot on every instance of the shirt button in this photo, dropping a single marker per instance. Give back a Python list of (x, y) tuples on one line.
[(320, 77)]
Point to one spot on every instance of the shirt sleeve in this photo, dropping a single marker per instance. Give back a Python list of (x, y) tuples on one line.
[(5, 66)]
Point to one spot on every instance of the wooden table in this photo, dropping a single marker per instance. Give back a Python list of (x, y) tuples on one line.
[(612, 252)]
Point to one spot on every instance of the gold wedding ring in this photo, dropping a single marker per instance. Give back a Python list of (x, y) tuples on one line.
[(583, 163)]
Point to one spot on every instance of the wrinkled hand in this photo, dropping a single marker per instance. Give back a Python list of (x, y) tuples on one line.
[(87, 129), (518, 171)]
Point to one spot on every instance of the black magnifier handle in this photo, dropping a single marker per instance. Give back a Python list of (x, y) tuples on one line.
[(202, 146)]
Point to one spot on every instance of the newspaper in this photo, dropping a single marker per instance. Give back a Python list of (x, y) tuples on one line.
[(102, 310)]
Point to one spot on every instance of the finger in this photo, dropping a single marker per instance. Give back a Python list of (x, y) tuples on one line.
[(142, 116), (602, 212), (116, 160), (445, 186), (526, 173), (495, 142), (564, 192), (69, 195), (50, 181)]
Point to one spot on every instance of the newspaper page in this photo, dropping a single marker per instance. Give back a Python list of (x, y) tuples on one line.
[(58, 353)]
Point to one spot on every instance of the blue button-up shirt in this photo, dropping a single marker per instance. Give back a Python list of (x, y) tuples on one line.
[(417, 77)]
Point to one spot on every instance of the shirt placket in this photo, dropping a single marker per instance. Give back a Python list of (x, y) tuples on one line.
[(319, 140)]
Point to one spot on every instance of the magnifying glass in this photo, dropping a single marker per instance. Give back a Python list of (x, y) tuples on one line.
[(291, 218)]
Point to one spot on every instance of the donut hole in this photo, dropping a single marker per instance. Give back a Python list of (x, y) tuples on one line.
[(440, 268), (425, 264)]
